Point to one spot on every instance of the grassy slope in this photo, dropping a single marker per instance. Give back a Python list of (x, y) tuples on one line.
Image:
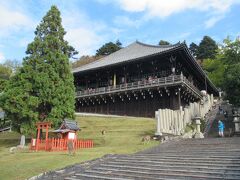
[(123, 135)]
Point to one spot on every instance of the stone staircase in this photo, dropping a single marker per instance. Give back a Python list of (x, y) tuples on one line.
[(210, 158), (214, 115)]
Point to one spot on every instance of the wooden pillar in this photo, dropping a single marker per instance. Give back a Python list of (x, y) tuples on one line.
[(86, 81), (114, 80), (179, 98), (108, 105), (46, 138), (38, 136)]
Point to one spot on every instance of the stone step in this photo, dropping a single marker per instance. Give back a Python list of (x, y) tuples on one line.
[(189, 151), (71, 178), (115, 176), (219, 161), (187, 158), (156, 175), (153, 172), (210, 158), (220, 146), (176, 163), (212, 147), (220, 170), (162, 154), (84, 176), (180, 166)]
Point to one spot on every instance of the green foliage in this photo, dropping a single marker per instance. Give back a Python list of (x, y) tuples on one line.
[(109, 48), (203, 125), (207, 48), (231, 57), (231, 51), (232, 83), (5, 73), (190, 127), (14, 65), (42, 89), (162, 42), (215, 70)]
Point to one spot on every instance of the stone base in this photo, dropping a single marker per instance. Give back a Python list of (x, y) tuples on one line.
[(187, 135), (157, 137), (158, 134), (237, 134), (198, 135)]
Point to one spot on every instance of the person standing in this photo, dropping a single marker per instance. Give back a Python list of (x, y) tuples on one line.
[(220, 128)]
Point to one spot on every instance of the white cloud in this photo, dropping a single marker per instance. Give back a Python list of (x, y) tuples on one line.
[(2, 58), (126, 21), (163, 8), (84, 40), (13, 20), (184, 35), (84, 34), (212, 21)]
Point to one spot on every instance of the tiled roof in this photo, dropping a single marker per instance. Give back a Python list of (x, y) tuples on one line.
[(132, 52), (69, 124)]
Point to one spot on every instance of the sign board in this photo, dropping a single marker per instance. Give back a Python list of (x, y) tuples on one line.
[(71, 135), (33, 142)]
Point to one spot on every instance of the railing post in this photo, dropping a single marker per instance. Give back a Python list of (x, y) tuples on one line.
[(181, 77)]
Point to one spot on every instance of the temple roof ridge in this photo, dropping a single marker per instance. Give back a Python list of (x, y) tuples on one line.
[(132, 52), (159, 46)]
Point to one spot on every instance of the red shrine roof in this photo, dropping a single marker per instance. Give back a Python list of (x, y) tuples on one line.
[(67, 126), (132, 52)]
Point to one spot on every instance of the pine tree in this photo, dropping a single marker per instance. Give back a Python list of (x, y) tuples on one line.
[(109, 48), (42, 89), (194, 49), (163, 42), (207, 48)]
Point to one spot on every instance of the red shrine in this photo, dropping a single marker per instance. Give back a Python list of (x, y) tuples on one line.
[(66, 132)]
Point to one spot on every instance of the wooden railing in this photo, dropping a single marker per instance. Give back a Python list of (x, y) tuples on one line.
[(158, 82), (57, 144)]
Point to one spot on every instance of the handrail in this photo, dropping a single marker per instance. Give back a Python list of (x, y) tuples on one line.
[(173, 79)]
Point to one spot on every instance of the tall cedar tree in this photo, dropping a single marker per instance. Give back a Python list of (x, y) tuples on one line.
[(207, 48), (42, 89)]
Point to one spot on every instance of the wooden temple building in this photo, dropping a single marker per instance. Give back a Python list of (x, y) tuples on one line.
[(139, 79)]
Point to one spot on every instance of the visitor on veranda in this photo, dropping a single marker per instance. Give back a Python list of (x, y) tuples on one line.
[(220, 128)]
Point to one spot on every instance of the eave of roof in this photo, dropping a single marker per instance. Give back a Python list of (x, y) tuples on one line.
[(133, 52), (204, 75), (69, 124)]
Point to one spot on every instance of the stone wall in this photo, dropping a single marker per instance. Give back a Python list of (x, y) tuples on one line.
[(175, 121)]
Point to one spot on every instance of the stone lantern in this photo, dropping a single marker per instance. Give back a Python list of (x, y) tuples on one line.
[(198, 134), (236, 121)]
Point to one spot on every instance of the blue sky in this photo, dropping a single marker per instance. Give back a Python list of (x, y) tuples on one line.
[(91, 23)]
